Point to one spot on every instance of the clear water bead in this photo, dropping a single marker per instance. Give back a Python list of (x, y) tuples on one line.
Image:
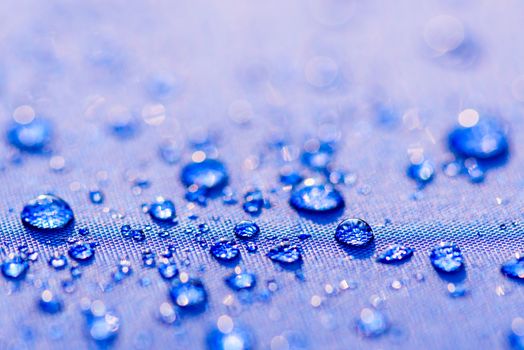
[(394, 254), (210, 175), (47, 212), (189, 295), (316, 198), (354, 232), (514, 268), (14, 268), (30, 137), (241, 281), (447, 258), (246, 229), (96, 197), (58, 261), (162, 210), (285, 253), (168, 270), (225, 250), (81, 252)]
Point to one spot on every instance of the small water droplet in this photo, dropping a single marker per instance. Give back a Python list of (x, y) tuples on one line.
[(395, 253), (241, 281), (246, 229), (253, 202), (170, 151), (148, 258), (316, 197), (285, 253), (516, 337), (167, 313), (232, 337), (125, 230), (457, 290), (447, 257), (50, 303), (189, 295), (514, 268), (354, 232), (81, 252), (31, 137), (138, 235), (96, 197), (168, 270), (225, 250), (422, 172), (47, 212), (251, 247), (58, 261), (371, 323), (14, 267), (207, 176), (289, 176), (162, 210), (102, 326), (317, 155)]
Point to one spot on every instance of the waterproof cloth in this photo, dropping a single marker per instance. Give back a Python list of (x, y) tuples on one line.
[(134, 91)]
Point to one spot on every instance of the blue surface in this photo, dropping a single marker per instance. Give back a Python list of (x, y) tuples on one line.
[(134, 91)]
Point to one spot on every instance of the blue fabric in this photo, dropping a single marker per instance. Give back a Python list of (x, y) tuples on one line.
[(250, 84)]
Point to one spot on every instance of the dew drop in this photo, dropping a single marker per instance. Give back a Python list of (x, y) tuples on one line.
[(253, 202), (316, 198), (447, 258), (81, 252), (246, 229), (354, 232), (138, 235), (50, 303), (14, 268), (241, 281), (285, 253), (514, 268), (96, 197), (30, 137), (189, 295), (168, 270), (225, 250), (162, 210), (47, 212), (58, 261), (394, 254), (208, 176)]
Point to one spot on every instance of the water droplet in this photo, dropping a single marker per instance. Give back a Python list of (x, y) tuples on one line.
[(516, 337), (189, 295), (395, 253), (311, 197), (50, 303), (58, 261), (81, 252), (251, 247), (253, 202), (421, 172), (457, 290), (167, 313), (241, 281), (14, 267), (484, 140), (233, 338), (47, 212), (168, 270), (162, 210), (96, 197), (290, 176), (138, 235), (225, 250), (170, 151), (30, 137), (371, 323), (285, 253), (148, 258), (317, 155), (514, 268), (123, 270), (447, 257), (125, 230), (354, 232), (246, 229), (104, 328), (208, 176)]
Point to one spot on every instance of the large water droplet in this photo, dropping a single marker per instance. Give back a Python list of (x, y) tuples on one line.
[(15, 267), (354, 232), (447, 257), (314, 198), (208, 176), (81, 252), (484, 140), (189, 295), (30, 137), (285, 253), (162, 210), (47, 212), (241, 281), (246, 229), (225, 250), (371, 323), (514, 268), (395, 253)]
